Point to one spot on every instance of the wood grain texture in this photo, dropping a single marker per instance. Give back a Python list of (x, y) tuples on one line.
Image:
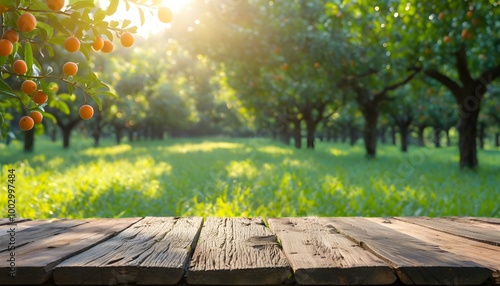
[(153, 251), (320, 255), (456, 227), (237, 251), (481, 253), (41, 247), (490, 220), (4, 221), (416, 262)]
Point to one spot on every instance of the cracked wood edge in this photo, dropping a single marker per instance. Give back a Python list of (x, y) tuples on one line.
[(45, 245), (415, 261), (320, 255), (458, 228), (478, 252), (154, 251), (237, 251)]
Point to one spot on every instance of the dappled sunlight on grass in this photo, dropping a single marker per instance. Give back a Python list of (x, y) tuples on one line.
[(107, 151), (337, 152), (200, 147), (247, 177), (241, 169), (274, 150)]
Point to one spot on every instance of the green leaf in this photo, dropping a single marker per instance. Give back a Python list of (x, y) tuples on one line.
[(46, 31), (5, 87), (141, 14), (85, 51), (108, 93), (49, 116), (3, 60), (71, 88), (28, 57), (113, 6), (125, 23), (61, 105), (98, 101), (99, 16), (83, 4)]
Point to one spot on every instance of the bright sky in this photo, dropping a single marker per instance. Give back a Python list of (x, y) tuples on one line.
[(152, 24)]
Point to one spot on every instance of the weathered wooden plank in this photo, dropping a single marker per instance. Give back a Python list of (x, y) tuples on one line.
[(455, 227), (4, 221), (415, 261), (490, 220), (41, 247), (481, 253), (474, 222), (237, 251), (153, 251), (320, 255)]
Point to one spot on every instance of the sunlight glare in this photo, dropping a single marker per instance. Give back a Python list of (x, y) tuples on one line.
[(152, 25)]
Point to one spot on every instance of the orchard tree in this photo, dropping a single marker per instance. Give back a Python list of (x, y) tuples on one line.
[(456, 43), (32, 28)]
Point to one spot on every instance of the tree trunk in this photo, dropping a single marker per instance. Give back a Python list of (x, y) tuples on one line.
[(29, 140), (284, 134), (130, 135), (383, 130), (343, 135), (481, 135), (393, 134), (437, 137), (297, 135), (370, 131), (467, 132), (352, 135), (448, 139), (311, 130), (53, 133), (403, 130), (118, 133), (66, 135), (497, 139), (96, 133), (420, 135)]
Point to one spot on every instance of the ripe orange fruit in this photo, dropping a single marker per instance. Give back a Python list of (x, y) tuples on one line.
[(86, 112), (6, 47), (165, 15), (317, 65), (466, 34), (441, 16), (127, 39), (285, 67), (26, 123), (20, 67), (446, 39), (107, 46), (98, 43), (469, 14), (28, 86), (11, 35), (72, 44), (70, 68), (26, 22), (36, 116), (55, 5), (40, 97)]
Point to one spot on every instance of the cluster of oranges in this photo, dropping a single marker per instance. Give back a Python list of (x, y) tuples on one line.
[(26, 23)]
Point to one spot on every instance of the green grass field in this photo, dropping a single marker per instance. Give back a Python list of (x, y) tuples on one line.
[(245, 177)]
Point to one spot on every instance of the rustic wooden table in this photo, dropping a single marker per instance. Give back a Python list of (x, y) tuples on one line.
[(244, 251)]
